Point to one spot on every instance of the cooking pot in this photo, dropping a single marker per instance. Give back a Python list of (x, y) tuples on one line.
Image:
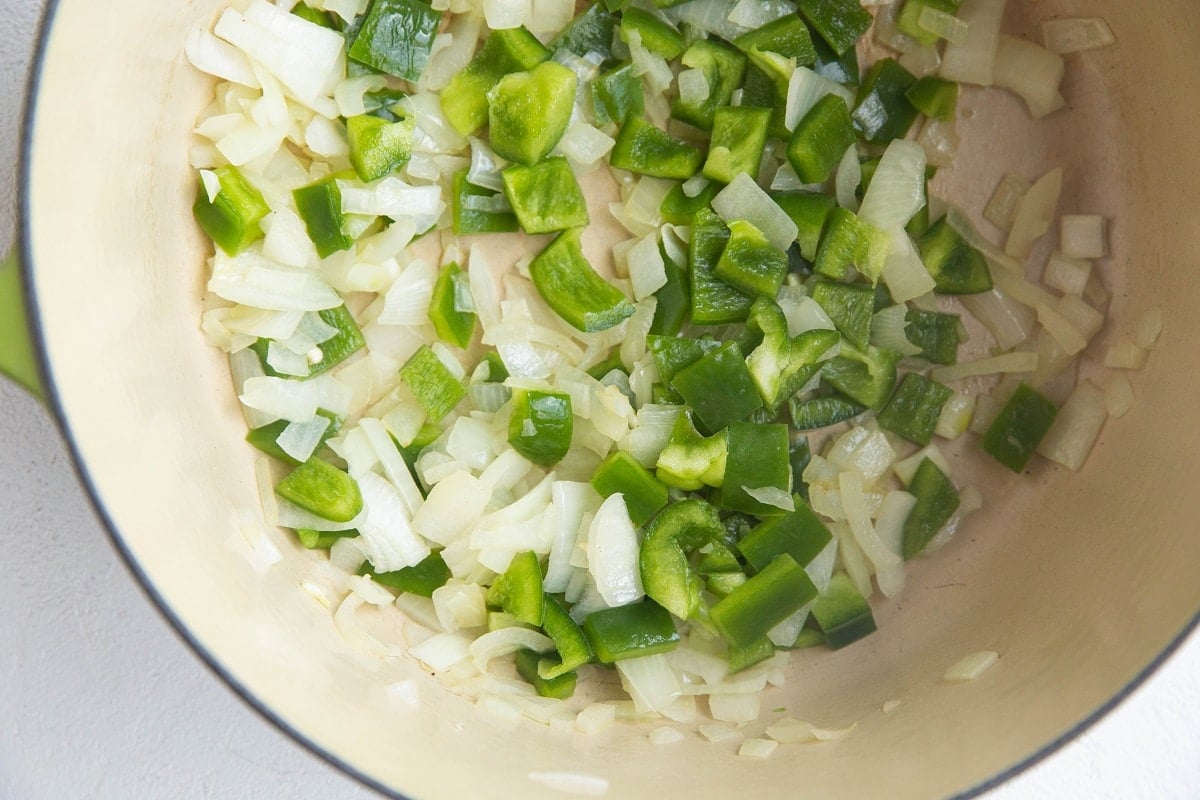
[(1082, 582)]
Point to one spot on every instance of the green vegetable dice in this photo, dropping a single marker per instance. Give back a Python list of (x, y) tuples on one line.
[(801, 534), (821, 139), (718, 387), (937, 500), (723, 68), (618, 95), (882, 111), (762, 602), (757, 459), (431, 382), (738, 137), (713, 301), (850, 306), (231, 218), (842, 613), (749, 263), (841, 23), (528, 112), (647, 150), (320, 206), (821, 412), (1020, 427), (914, 410), (656, 35), (470, 219), (644, 494), (540, 426), (632, 631), (421, 579), (452, 325), (569, 285), (956, 267), (545, 197), (464, 100), (396, 37), (322, 489), (379, 147)]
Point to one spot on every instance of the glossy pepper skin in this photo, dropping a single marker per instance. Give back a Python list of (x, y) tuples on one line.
[(231, 218), (671, 539), (465, 99), (640, 629), (937, 500), (434, 386), (528, 112), (569, 285), (322, 489), (1019, 428), (647, 150), (396, 37), (761, 603), (540, 426)]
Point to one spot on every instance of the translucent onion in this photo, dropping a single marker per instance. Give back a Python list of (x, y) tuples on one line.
[(1075, 35), (945, 26), (250, 279), (772, 496), (613, 554), (442, 651), (805, 88), (506, 641), (1002, 207), (1076, 427), (744, 199), (386, 532), (973, 59), (971, 666), (1082, 236), (650, 681), (1034, 214), (457, 49), (219, 59), (847, 179), (897, 190), (904, 272), (454, 506), (888, 330), (693, 86), (889, 567), (1032, 72), (996, 365), (585, 144)]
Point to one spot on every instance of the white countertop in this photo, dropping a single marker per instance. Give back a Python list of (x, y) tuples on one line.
[(99, 700)]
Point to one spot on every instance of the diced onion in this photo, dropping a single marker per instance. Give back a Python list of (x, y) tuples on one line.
[(1067, 275), (1034, 213), (973, 59), (1082, 236), (847, 179), (805, 88), (386, 532), (971, 666), (888, 330), (1075, 35), (771, 496), (1031, 71), (897, 190), (1002, 207), (945, 26), (1118, 396), (650, 681), (1006, 363), (744, 199), (1076, 427), (613, 554), (505, 641)]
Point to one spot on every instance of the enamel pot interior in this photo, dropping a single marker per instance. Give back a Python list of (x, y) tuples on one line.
[(1080, 581)]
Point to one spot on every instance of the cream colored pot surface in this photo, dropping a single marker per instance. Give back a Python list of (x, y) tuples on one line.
[(1080, 582)]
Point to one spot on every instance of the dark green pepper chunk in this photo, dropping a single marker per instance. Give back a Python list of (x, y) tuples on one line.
[(749, 263), (473, 220), (766, 86), (617, 95), (781, 365), (322, 540), (560, 687), (464, 100), (882, 112), (821, 139), (718, 387), (644, 494), (656, 35), (322, 489), (850, 306), (738, 137), (841, 68), (310, 14), (934, 97), (673, 299), (679, 209), (569, 285), (848, 242), (723, 69), (676, 534), (434, 386), (935, 333), (808, 210), (673, 353), (744, 657), (787, 36), (573, 648), (764, 601), (232, 217), (396, 37), (1022, 424), (266, 438), (421, 579), (633, 631), (320, 206), (588, 33), (714, 302), (841, 23), (821, 412), (757, 459), (937, 500), (914, 410), (908, 21), (867, 376), (801, 534), (647, 150), (956, 267), (545, 197), (528, 112), (842, 613), (519, 590), (453, 326), (540, 426)]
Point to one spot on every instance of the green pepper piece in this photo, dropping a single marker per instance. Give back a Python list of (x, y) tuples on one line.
[(613, 362), (849, 242), (809, 211), (322, 489), (1020, 427), (617, 95), (936, 334), (322, 540), (657, 36), (647, 150), (396, 37), (801, 534), (718, 387), (434, 386), (866, 376), (914, 409), (320, 206), (464, 100), (714, 302), (545, 197), (821, 139), (569, 285), (908, 21), (764, 601), (590, 32), (421, 579), (497, 372), (766, 318), (787, 36), (232, 217), (558, 688), (782, 365), (673, 299), (632, 631), (723, 68), (749, 262), (842, 613), (528, 112), (934, 97), (540, 426), (722, 583), (572, 644), (937, 500), (690, 461), (472, 220), (621, 473), (841, 23), (841, 69), (678, 532), (673, 353), (385, 104), (800, 456), (821, 412), (348, 340), (679, 209), (956, 267), (850, 306), (881, 110), (378, 147), (738, 137), (266, 438), (453, 326), (757, 459), (920, 222), (766, 86), (310, 14), (519, 590)]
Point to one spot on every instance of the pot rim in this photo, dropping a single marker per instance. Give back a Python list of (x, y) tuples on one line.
[(24, 249)]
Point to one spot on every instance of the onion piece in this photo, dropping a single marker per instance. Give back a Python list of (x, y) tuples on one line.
[(971, 666), (1082, 236), (973, 59), (1006, 363), (847, 179), (452, 509), (888, 330), (1002, 207), (772, 496), (904, 272), (1032, 72), (1076, 427), (897, 190), (386, 532), (1075, 35), (945, 26), (613, 554), (744, 199), (650, 681), (1034, 213), (805, 88), (1067, 275), (220, 59)]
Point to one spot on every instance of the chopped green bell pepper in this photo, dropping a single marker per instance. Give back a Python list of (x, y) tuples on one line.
[(841, 68), (266, 437), (232, 217), (378, 147), (621, 473), (808, 210), (617, 95), (739, 135), (541, 425), (472, 220), (453, 326), (682, 529), (841, 23), (528, 112), (908, 21), (723, 68), (757, 459), (821, 139), (937, 500), (464, 100), (320, 206), (690, 461), (781, 365), (749, 262), (956, 267), (714, 302), (590, 32), (850, 306), (842, 613), (322, 489), (866, 376), (395, 37), (673, 353), (420, 579), (881, 111), (310, 14), (718, 387), (744, 657), (1020, 427), (656, 35), (322, 540), (914, 409), (821, 412), (935, 333), (679, 209), (647, 150), (934, 97), (569, 285), (633, 631), (569, 639), (801, 534), (559, 687), (434, 386), (545, 197), (768, 75), (519, 590), (672, 298), (787, 36), (848, 242), (761, 603)]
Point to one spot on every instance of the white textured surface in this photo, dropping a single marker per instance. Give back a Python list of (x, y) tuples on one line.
[(99, 699)]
